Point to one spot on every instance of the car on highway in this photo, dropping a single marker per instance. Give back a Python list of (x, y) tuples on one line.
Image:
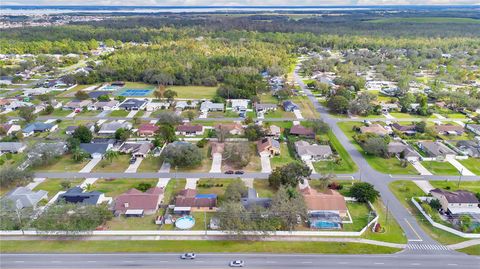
[(236, 263), (229, 172), (239, 172), (188, 256)]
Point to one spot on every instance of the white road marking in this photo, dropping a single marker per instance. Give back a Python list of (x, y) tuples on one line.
[(379, 263), (414, 264), (55, 261), (411, 227), (307, 262), (452, 264), (271, 262), (91, 261), (19, 261)]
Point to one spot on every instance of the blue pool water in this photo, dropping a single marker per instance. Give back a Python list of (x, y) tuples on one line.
[(135, 92), (185, 223), (325, 225)]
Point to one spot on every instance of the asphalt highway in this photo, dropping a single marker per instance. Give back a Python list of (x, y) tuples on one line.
[(151, 260)]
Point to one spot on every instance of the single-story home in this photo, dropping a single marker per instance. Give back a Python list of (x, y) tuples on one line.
[(290, 106), (449, 129), (239, 104), (264, 108), (189, 130), (231, 128), (109, 128), (136, 203), (325, 210), (38, 127), (402, 150), (457, 202), (274, 131), (105, 106), (406, 129), (188, 200), (153, 106), (147, 129), (96, 150), (137, 149), (387, 107), (22, 197), (436, 149), (133, 104), (252, 200), (475, 128), (300, 130), (374, 129), (12, 147), (10, 128), (77, 195), (312, 152), (182, 105), (268, 146), (96, 94), (71, 129), (208, 106), (77, 105), (469, 147)]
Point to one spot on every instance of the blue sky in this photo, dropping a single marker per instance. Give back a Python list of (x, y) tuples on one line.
[(238, 2)]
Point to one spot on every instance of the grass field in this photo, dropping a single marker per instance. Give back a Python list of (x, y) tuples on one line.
[(441, 168), (64, 164), (115, 187), (52, 185), (119, 164), (77, 246), (472, 186), (123, 223), (172, 188), (262, 188), (427, 20), (472, 164), (194, 92), (360, 216), (150, 164), (284, 158), (118, 113), (473, 250)]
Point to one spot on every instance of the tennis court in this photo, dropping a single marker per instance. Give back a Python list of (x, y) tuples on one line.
[(135, 92)]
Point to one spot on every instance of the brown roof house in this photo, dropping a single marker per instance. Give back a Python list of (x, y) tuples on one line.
[(268, 146), (457, 202), (136, 203), (406, 129), (274, 130), (231, 128), (189, 130), (299, 130), (374, 129), (137, 149), (403, 151), (147, 129), (325, 210), (188, 200), (449, 129)]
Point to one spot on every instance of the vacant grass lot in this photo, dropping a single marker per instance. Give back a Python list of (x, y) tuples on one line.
[(52, 185), (76, 246), (194, 92), (115, 187), (118, 164), (118, 113), (472, 186), (133, 223), (441, 168), (150, 164), (404, 190), (472, 164), (63, 164)]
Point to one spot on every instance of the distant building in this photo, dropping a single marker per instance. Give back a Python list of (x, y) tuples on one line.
[(189, 130), (374, 129), (136, 203), (457, 202), (76, 195)]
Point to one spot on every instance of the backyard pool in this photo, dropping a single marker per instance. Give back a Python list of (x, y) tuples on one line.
[(135, 92), (185, 223), (325, 225)]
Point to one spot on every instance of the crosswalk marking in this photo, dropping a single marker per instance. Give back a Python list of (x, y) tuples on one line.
[(427, 247)]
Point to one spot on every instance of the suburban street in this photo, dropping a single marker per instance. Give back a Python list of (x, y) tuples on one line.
[(153, 260)]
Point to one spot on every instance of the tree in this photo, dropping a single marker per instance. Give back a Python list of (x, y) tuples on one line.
[(233, 218), (122, 134), (10, 175), (254, 132), (167, 117), (13, 218), (158, 93), (289, 175), (110, 155), (170, 95), (166, 134), (103, 98), (421, 126), (48, 110), (364, 192), (338, 104), (289, 206), (81, 95), (319, 127), (26, 112), (143, 186), (376, 145), (182, 154), (237, 154), (190, 115), (235, 190), (83, 134), (79, 155)]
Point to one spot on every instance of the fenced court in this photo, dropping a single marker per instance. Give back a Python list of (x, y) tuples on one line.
[(135, 92)]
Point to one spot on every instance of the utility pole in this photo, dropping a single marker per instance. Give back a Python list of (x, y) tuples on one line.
[(460, 178), (205, 221), (386, 215)]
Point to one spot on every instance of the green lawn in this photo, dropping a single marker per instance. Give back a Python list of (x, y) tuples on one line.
[(213, 186), (473, 250), (392, 232), (150, 164), (118, 113), (119, 164), (306, 107), (472, 164), (63, 164), (132, 223), (268, 98), (60, 113), (263, 189), (404, 190), (360, 216), (473, 186), (172, 246), (279, 113), (172, 189), (194, 92), (345, 165), (286, 156), (89, 113), (52, 185), (441, 168), (115, 187)]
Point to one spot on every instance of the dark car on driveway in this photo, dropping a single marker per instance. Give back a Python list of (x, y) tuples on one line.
[(229, 172), (239, 172)]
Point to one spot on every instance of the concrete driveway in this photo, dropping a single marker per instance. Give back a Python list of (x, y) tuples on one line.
[(298, 114), (132, 113), (216, 163), (266, 167), (421, 169), (310, 165), (191, 183), (462, 169), (132, 168), (90, 165)]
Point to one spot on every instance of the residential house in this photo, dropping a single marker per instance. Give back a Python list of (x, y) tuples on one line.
[(265, 108), (325, 210), (182, 105), (268, 146), (133, 104), (96, 94), (449, 129), (38, 127), (290, 106), (469, 147), (10, 128), (6, 80), (154, 106), (300, 130), (77, 195), (239, 104), (252, 200), (147, 130), (436, 149), (77, 105), (109, 128), (406, 129), (136, 149), (274, 131), (136, 203), (374, 129), (23, 197), (388, 107), (403, 151), (189, 130), (312, 152), (475, 128), (105, 106), (12, 147), (208, 106), (96, 150), (188, 201), (457, 202), (231, 128), (71, 129)]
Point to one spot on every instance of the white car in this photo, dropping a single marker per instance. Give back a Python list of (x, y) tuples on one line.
[(188, 256), (237, 263)]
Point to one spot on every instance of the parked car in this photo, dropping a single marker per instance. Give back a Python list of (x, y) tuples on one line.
[(237, 263), (229, 172), (188, 256), (239, 172), (133, 160)]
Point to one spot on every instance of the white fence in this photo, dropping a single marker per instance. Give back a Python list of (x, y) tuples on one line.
[(441, 226)]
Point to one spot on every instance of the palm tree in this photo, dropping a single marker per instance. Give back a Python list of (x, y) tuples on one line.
[(110, 155)]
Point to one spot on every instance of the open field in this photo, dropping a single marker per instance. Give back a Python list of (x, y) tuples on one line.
[(194, 92), (262, 188), (427, 20), (115, 187), (52, 185), (196, 246)]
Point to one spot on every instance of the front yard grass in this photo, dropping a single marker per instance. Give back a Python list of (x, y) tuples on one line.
[(52, 185), (60, 113), (472, 164), (115, 187), (213, 186), (171, 190), (174, 246), (119, 113), (404, 190), (392, 232), (119, 164), (440, 168), (263, 188), (345, 165), (89, 113), (63, 164), (306, 107), (279, 113), (473, 250), (150, 164), (472, 186), (132, 223), (284, 158), (360, 214)]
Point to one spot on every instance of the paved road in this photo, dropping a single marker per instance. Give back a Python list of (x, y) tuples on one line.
[(147, 260)]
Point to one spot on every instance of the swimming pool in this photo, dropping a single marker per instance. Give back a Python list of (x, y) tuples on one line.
[(185, 223), (325, 225), (135, 92), (110, 88)]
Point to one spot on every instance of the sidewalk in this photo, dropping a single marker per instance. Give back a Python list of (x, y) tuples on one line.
[(298, 114), (265, 160), (35, 182), (191, 183)]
